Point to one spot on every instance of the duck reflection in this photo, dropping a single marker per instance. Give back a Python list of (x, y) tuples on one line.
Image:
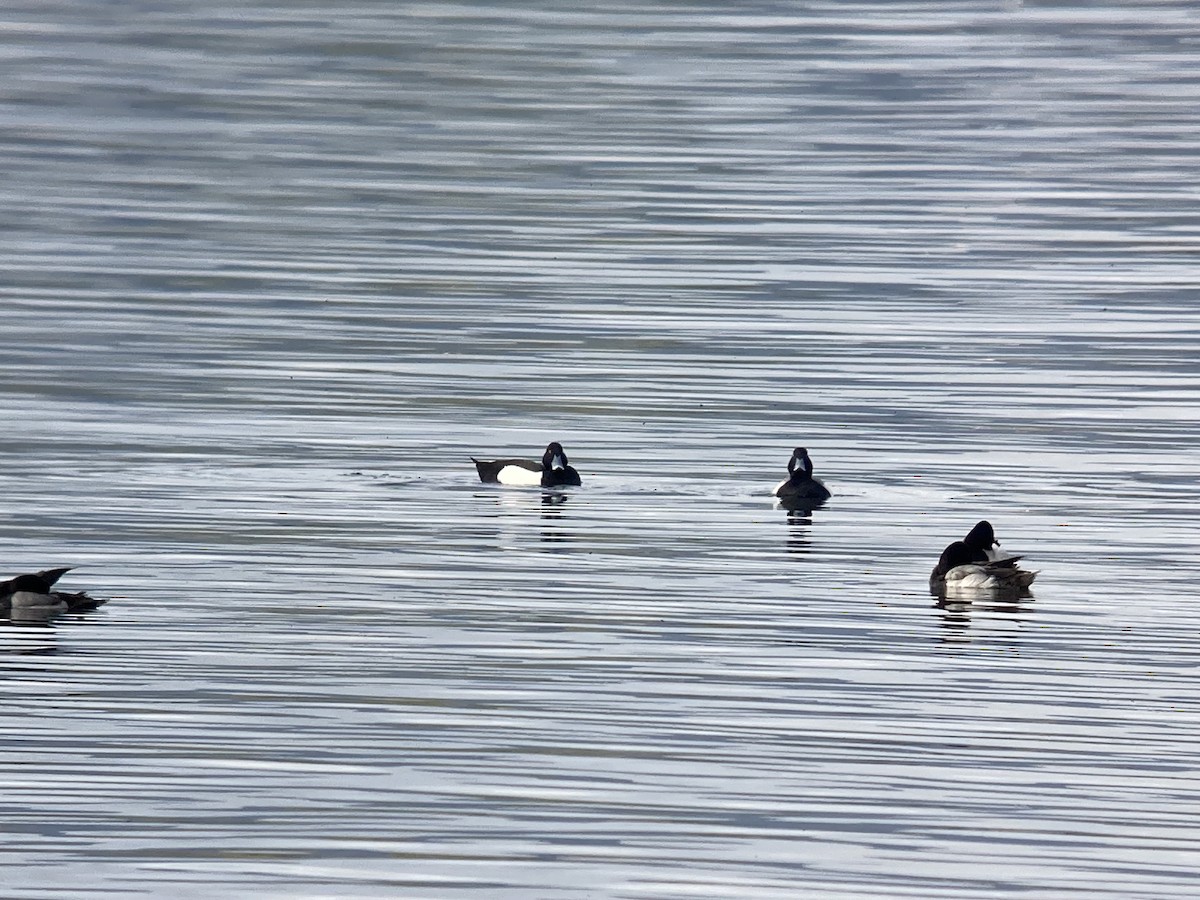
[(553, 504), (799, 522), (553, 499), (514, 511), (996, 621), (799, 511), (799, 534), (23, 637)]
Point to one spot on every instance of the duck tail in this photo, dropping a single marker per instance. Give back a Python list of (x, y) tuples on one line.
[(79, 602), (52, 575)]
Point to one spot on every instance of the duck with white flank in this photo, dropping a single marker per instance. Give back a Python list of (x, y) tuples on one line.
[(33, 595), (973, 566), (552, 471), (800, 488)]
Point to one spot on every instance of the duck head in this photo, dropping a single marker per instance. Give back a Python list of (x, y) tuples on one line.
[(981, 537), (554, 457), (800, 461)]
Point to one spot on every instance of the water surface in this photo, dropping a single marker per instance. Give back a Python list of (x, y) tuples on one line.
[(274, 273)]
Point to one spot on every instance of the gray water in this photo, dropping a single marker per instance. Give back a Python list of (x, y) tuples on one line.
[(274, 272)]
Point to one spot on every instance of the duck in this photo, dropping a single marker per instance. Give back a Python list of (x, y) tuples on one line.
[(553, 471), (800, 488), (973, 565), (32, 593)]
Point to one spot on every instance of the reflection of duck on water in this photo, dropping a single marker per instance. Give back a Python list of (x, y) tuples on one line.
[(798, 538), (553, 519), (997, 619), (800, 491), (31, 596), (971, 566)]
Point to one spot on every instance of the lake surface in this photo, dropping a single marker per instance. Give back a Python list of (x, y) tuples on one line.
[(273, 273)]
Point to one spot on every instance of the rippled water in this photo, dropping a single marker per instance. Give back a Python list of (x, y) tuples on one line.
[(273, 273)]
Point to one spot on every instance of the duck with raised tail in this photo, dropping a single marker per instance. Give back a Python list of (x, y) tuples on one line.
[(32, 594), (972, 566)]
